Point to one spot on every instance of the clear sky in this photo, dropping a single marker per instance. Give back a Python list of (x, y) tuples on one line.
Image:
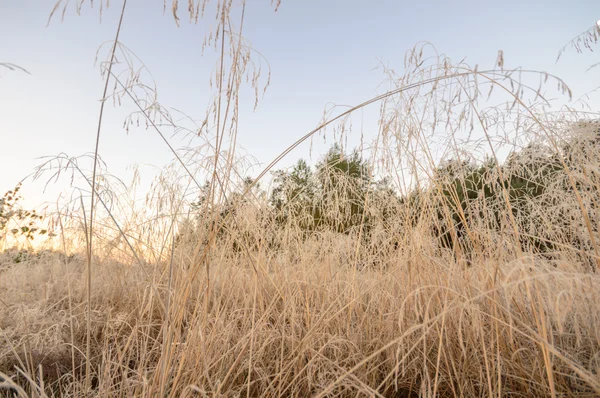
[(319, 51)]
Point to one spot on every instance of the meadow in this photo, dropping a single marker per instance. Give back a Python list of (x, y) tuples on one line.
[(454, 254)]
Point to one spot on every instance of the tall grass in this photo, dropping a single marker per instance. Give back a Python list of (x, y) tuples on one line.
[(179, 297)]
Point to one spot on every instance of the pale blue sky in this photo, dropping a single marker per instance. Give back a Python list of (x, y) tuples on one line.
[(320, 51)]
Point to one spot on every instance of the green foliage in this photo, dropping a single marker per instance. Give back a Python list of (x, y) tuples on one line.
[(331, 197), (466, 207), (532, 186), (295, 197), (345, 180), (16, 221)]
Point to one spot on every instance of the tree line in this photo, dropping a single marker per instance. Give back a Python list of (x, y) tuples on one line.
[(537, 201)]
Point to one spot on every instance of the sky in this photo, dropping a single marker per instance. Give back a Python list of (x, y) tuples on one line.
[(319, 51)]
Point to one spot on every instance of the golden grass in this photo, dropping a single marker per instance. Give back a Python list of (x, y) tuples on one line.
[(423, 326)]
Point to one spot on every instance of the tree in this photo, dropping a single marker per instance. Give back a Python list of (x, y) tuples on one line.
[(332, 197), (294, 197), (539, 191), (344, 180)]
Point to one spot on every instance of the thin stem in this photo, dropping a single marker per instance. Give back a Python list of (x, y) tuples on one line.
[(92, 200)]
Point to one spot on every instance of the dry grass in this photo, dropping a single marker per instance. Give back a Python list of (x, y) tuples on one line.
[(423, 326), (237, 304)]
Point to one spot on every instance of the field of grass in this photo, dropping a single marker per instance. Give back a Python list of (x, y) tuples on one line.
[(456, 255)]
